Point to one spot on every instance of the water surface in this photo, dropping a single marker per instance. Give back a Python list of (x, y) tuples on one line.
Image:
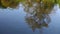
[(18, 21)]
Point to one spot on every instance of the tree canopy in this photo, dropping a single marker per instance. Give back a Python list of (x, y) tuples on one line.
[(15, 3)]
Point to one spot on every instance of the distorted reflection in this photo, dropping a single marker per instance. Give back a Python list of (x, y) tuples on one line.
[(15, 3), (38, 13), (9, 3)]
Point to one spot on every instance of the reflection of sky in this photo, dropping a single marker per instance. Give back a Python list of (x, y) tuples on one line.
[(54, 26), (12, 22)]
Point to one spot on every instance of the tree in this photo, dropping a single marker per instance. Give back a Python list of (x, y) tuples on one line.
[(38, 14)]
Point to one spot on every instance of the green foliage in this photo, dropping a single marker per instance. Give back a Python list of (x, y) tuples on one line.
[(9, 3), (58, 1), (15, 3)]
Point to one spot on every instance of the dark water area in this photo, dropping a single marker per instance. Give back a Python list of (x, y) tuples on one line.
[(16, 21)]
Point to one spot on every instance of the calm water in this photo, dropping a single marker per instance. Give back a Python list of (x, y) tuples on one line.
[(13, 21)]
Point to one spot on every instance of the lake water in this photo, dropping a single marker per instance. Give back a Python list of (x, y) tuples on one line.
[(13, 21)]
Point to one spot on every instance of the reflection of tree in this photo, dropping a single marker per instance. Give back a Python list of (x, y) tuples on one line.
[(1, 6), (9, 3), (14, 3), (38, 14)]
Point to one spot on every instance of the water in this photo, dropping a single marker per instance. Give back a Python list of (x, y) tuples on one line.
[(13, 21)]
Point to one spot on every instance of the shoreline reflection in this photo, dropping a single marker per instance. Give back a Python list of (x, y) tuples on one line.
[(37, 15)]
